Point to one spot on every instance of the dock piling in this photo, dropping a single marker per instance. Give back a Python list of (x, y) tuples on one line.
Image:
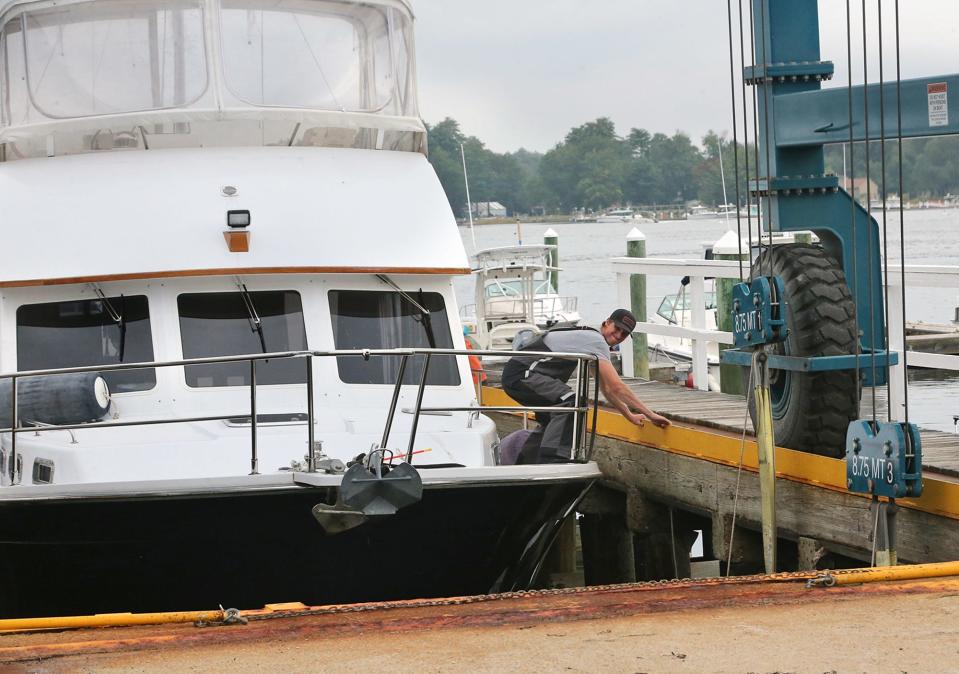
[(551, 238), (636, 247)]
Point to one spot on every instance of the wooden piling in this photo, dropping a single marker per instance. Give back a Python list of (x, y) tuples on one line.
[(607, 541), (551, 238), (636, 247)]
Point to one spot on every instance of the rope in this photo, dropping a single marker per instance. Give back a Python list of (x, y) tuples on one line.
[(739, 472)]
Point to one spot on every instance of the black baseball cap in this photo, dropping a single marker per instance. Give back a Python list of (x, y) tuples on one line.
[(624, 319)]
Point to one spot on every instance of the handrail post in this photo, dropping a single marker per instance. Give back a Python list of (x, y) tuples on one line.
[(574, 450), (698, 316), (311, 451), (254, 461), (623, 290), (396, 397), (419, 405), (13, 430)]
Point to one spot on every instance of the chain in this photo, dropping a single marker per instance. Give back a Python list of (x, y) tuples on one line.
[(529, 594)]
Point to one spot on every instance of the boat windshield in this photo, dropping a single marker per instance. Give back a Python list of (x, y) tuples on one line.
[(238, 323), (79, 333), (387, 320), (515, 288), (679, 303), (134, 63)]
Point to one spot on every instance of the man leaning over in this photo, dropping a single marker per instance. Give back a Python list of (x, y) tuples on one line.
[(541, 381)]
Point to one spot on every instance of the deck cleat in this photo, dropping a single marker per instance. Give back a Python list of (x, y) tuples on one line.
[(884, 460)]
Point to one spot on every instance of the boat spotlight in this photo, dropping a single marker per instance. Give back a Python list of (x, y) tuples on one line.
[(237, 236)]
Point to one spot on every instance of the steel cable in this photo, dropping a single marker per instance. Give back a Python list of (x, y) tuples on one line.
[(852, 213), (902, 227), (872, 298), (732, 98), (885, 233)]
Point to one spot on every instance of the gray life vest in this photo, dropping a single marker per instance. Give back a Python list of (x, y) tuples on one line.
[(520, 367)]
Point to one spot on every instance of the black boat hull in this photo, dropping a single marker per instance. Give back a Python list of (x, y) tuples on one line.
[(244, 550)]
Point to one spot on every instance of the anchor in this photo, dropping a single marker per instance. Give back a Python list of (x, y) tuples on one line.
[(370, 489)]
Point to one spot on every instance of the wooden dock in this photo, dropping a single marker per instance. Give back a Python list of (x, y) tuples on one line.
[(940, 451), (701, 474)]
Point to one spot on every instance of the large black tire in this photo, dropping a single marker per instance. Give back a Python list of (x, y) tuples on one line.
[(811, 411)]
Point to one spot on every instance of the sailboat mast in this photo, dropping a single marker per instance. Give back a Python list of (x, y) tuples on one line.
[(469, 202)]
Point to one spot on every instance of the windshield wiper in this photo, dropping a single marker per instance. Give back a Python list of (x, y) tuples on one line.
[(256, 325), (116, 316), (424, 313)]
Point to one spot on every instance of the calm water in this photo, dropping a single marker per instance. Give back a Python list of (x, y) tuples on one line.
[(585, 249)]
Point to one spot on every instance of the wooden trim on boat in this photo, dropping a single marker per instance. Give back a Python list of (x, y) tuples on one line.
[(232, 271)]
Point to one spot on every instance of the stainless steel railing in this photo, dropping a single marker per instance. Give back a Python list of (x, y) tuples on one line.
[(580, 449)]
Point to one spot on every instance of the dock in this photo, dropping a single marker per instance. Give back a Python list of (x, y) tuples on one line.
[(663, 486)]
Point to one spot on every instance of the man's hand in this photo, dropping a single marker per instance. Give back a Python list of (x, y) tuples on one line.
[(641, 419)]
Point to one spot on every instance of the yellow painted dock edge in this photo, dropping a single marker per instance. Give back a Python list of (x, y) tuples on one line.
[(939, 496)]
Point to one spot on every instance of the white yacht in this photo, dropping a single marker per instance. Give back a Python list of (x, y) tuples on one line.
[(623, 215), (228, 379), (514, 292), (702, 213)]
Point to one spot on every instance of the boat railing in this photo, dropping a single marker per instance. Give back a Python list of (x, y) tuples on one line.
[(698, 270), (583, 440)]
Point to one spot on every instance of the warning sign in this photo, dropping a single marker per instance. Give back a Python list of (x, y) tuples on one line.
[(938, 104)]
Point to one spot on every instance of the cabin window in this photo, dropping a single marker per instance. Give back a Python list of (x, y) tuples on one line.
[(386, 320), (241, 323), (93, 58), (89, 332)]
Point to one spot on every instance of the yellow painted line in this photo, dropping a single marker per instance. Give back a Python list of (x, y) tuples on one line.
[(939, 496)]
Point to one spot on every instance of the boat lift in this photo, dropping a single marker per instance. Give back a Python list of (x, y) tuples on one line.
[(813, 320)]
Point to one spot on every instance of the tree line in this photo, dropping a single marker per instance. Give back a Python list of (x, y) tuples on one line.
[(595, 168)]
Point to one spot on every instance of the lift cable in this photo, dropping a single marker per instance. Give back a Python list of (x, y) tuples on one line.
[(767, 100), (742, 82), (902, 229), (872, 299), (732, 96), (885, 233), (852, 213), (752, 57)]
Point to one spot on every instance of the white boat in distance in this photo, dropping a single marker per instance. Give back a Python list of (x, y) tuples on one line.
[(514, 292), (627, 215), (228, 380), (702, 213)]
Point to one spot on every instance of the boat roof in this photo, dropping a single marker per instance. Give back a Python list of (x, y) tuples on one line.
[(6, 5), (525, 256)]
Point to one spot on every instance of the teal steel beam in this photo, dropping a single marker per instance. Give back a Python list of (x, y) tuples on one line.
[(810, 118)]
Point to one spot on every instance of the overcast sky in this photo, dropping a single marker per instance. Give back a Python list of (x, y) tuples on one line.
[(521, 73)]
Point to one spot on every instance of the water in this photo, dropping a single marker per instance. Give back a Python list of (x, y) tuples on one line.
[(585, 250)]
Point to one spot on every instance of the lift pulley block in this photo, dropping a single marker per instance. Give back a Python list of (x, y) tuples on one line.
[(885, 460), (759, 312)]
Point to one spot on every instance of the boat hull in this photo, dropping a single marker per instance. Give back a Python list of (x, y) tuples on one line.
[(78, 557)]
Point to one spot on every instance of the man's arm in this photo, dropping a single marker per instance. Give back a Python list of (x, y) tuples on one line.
[(624, 400)]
